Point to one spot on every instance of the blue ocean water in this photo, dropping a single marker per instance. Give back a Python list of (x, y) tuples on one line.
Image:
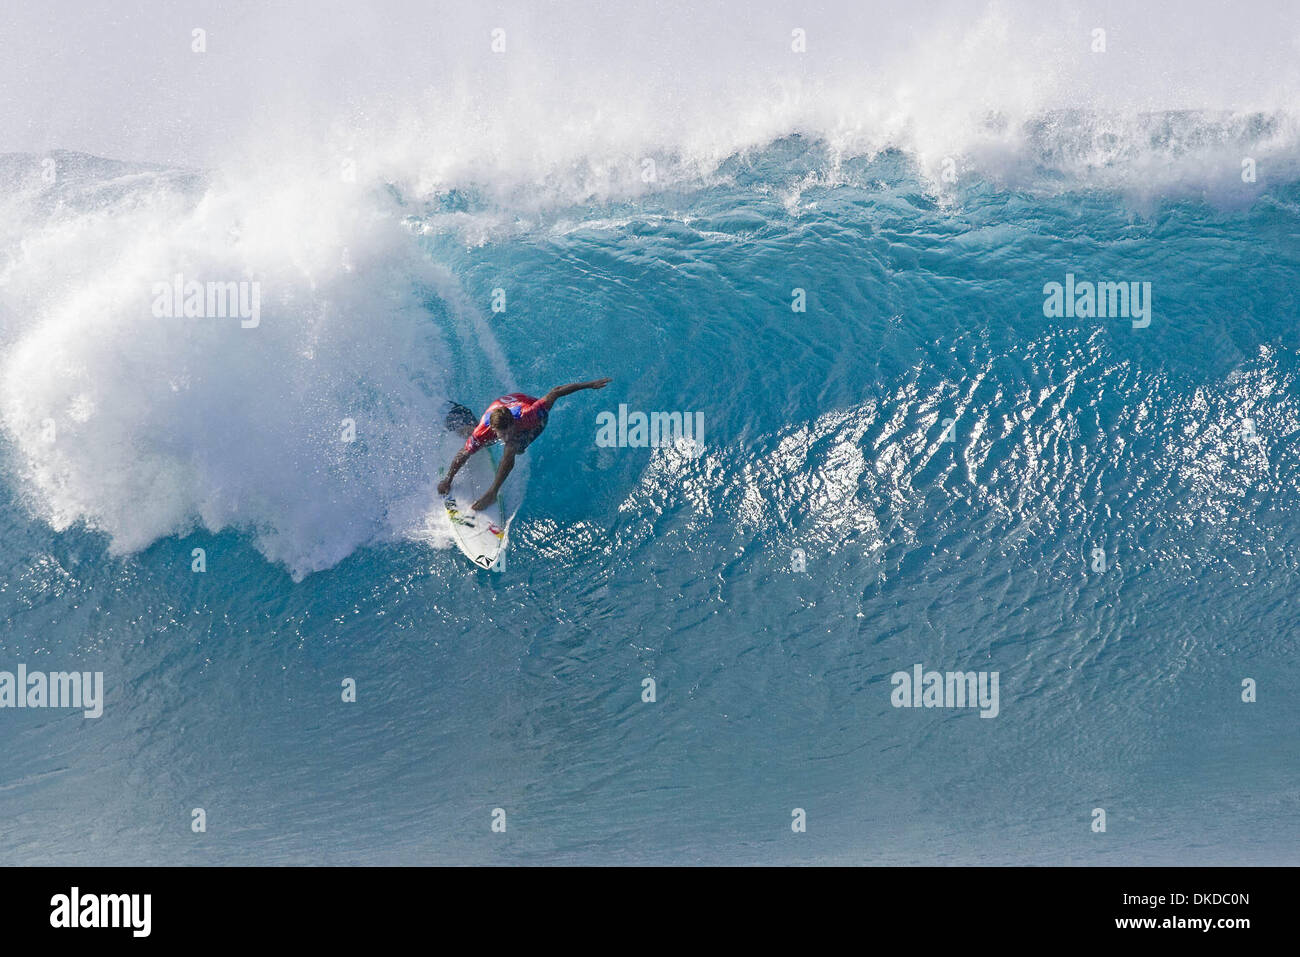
[(1170, 447)]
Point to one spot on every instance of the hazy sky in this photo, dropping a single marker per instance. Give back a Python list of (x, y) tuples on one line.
[(118, 77)]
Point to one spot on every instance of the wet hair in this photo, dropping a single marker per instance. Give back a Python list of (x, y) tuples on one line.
[(501, 419)]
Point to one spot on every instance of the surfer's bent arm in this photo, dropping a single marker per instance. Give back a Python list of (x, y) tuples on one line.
[(507, 463), (503, 470), (560, 391), (461, 458)]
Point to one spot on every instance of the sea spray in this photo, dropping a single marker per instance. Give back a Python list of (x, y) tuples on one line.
[(141, 427)]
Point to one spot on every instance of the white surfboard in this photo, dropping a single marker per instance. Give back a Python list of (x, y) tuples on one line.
[(480, 535)]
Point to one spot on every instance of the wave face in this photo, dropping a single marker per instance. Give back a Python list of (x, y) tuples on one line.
[(840, 264)]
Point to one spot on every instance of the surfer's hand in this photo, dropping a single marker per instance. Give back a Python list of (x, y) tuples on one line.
[(444, 486), (484, 502), (600, 383)]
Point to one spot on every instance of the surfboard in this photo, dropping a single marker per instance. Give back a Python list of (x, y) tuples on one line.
[(480, 535)]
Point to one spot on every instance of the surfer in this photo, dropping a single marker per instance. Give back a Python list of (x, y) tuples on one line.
[(514, 420)]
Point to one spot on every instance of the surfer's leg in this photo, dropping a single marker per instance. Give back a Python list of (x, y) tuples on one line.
[(460, 419)]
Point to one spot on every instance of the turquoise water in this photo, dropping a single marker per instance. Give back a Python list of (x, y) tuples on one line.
[(824, 428)]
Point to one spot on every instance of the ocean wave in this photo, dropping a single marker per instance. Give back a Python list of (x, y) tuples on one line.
[(315, 429), (165, 425)]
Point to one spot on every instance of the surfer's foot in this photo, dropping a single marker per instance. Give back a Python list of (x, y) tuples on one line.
[(484, 502)]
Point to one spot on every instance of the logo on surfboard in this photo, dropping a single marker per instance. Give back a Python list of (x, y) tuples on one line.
[(468, 520)]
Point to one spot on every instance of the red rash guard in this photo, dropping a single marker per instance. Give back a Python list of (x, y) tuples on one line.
[(530, 418)]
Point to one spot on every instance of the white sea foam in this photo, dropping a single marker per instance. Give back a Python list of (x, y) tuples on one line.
[(582, 94), (142, 427)]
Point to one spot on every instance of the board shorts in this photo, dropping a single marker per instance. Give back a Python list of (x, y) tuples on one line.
[(459, 418), (530, 415)]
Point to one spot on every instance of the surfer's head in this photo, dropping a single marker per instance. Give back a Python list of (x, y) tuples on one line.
[(501, 421)]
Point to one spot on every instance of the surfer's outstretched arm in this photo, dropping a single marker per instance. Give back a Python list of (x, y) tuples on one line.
[(490, 496), (560, 391), (461, 458)]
